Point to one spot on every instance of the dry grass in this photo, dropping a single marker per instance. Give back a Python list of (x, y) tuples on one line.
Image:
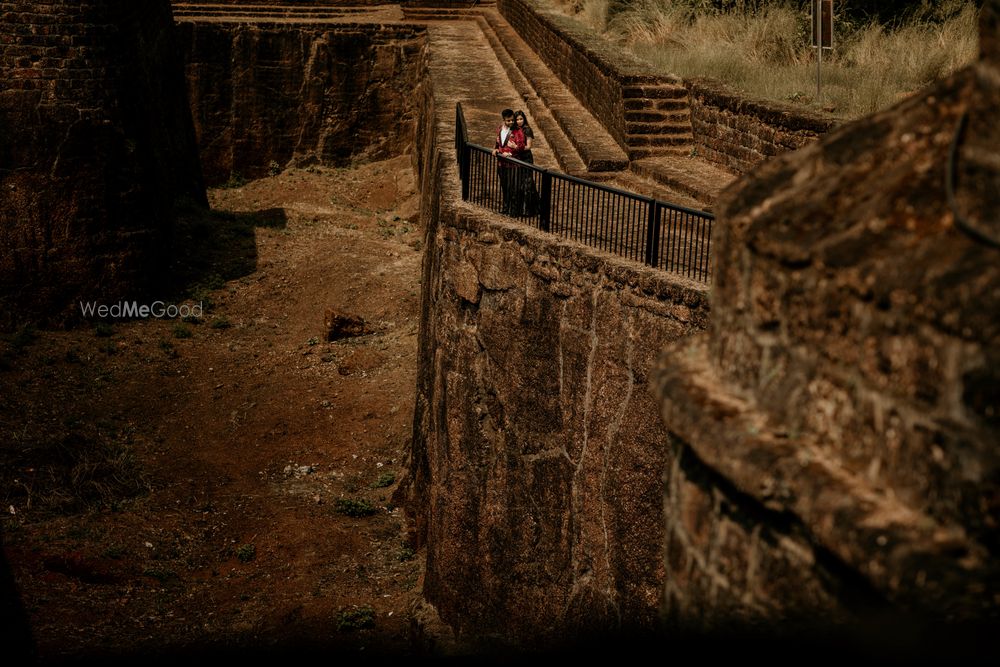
[(765, 55)]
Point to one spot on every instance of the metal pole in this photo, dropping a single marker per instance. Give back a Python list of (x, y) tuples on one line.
[(464, 166), (818, 16), (545, 202), (653, 234)]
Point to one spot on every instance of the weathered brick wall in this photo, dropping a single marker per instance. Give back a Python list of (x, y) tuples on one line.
[(264, 93), (740, 134), (95, 145), (538, 453)]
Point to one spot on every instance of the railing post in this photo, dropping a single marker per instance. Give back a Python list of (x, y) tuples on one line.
[(653, 234), (463, 170), (458, 132), (545, 201)]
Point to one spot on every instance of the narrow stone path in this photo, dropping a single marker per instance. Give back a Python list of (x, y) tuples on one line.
[(465, 69)]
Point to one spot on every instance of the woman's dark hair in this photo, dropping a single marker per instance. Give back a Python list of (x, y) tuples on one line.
[(522, 115)]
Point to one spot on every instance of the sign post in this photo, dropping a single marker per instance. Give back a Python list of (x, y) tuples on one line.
[(822, 37)]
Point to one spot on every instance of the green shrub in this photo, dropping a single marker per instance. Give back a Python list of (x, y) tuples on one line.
[(385, 479), (356, 507), (356, 618), (246, 553)]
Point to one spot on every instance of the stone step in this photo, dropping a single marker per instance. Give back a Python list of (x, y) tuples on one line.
[(653, 104), (423, 14), (679, 115), (680, 124), (643, 152), (655, 91), (595, 146), (654, 111), (684, 173), (641, 140)]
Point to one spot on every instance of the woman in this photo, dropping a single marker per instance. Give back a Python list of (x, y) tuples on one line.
[(521, 123), (526, 198)]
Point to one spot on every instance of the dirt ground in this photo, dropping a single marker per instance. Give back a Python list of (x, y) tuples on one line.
[(224, 482)]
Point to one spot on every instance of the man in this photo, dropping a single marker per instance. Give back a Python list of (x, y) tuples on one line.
[(510, 143)]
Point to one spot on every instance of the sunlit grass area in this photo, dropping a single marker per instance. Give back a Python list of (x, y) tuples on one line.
[(766, 54)]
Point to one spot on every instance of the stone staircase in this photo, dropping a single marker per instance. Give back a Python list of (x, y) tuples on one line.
[(657, 119), (584, 147), (659, 160)]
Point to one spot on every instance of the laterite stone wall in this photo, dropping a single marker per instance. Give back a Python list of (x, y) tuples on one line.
[(536, 471), (267, 95), (96, 145), (740, 134)]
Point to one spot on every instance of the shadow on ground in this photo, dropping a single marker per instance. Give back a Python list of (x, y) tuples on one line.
[(211, 247)]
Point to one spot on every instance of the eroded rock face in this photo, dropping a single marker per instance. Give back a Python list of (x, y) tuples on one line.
[(96, 146), (853, 347), (269, 95)]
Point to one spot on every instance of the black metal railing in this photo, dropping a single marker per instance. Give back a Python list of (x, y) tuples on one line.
[(663, 235)]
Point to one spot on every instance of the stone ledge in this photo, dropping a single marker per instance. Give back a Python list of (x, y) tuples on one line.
[(692, 176), (906, 555), (771, 112)]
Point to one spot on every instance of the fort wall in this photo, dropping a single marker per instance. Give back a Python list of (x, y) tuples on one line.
[(552, 499), (96, 146), (538, 452), (825, 454), (818, 447), (740, 134)]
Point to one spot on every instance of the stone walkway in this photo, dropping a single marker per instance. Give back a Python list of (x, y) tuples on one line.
[(465, 69)]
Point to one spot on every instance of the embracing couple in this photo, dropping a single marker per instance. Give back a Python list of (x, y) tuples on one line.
[(514, 139)]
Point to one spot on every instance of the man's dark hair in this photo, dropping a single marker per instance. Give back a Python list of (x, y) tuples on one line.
[(507, 113)]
